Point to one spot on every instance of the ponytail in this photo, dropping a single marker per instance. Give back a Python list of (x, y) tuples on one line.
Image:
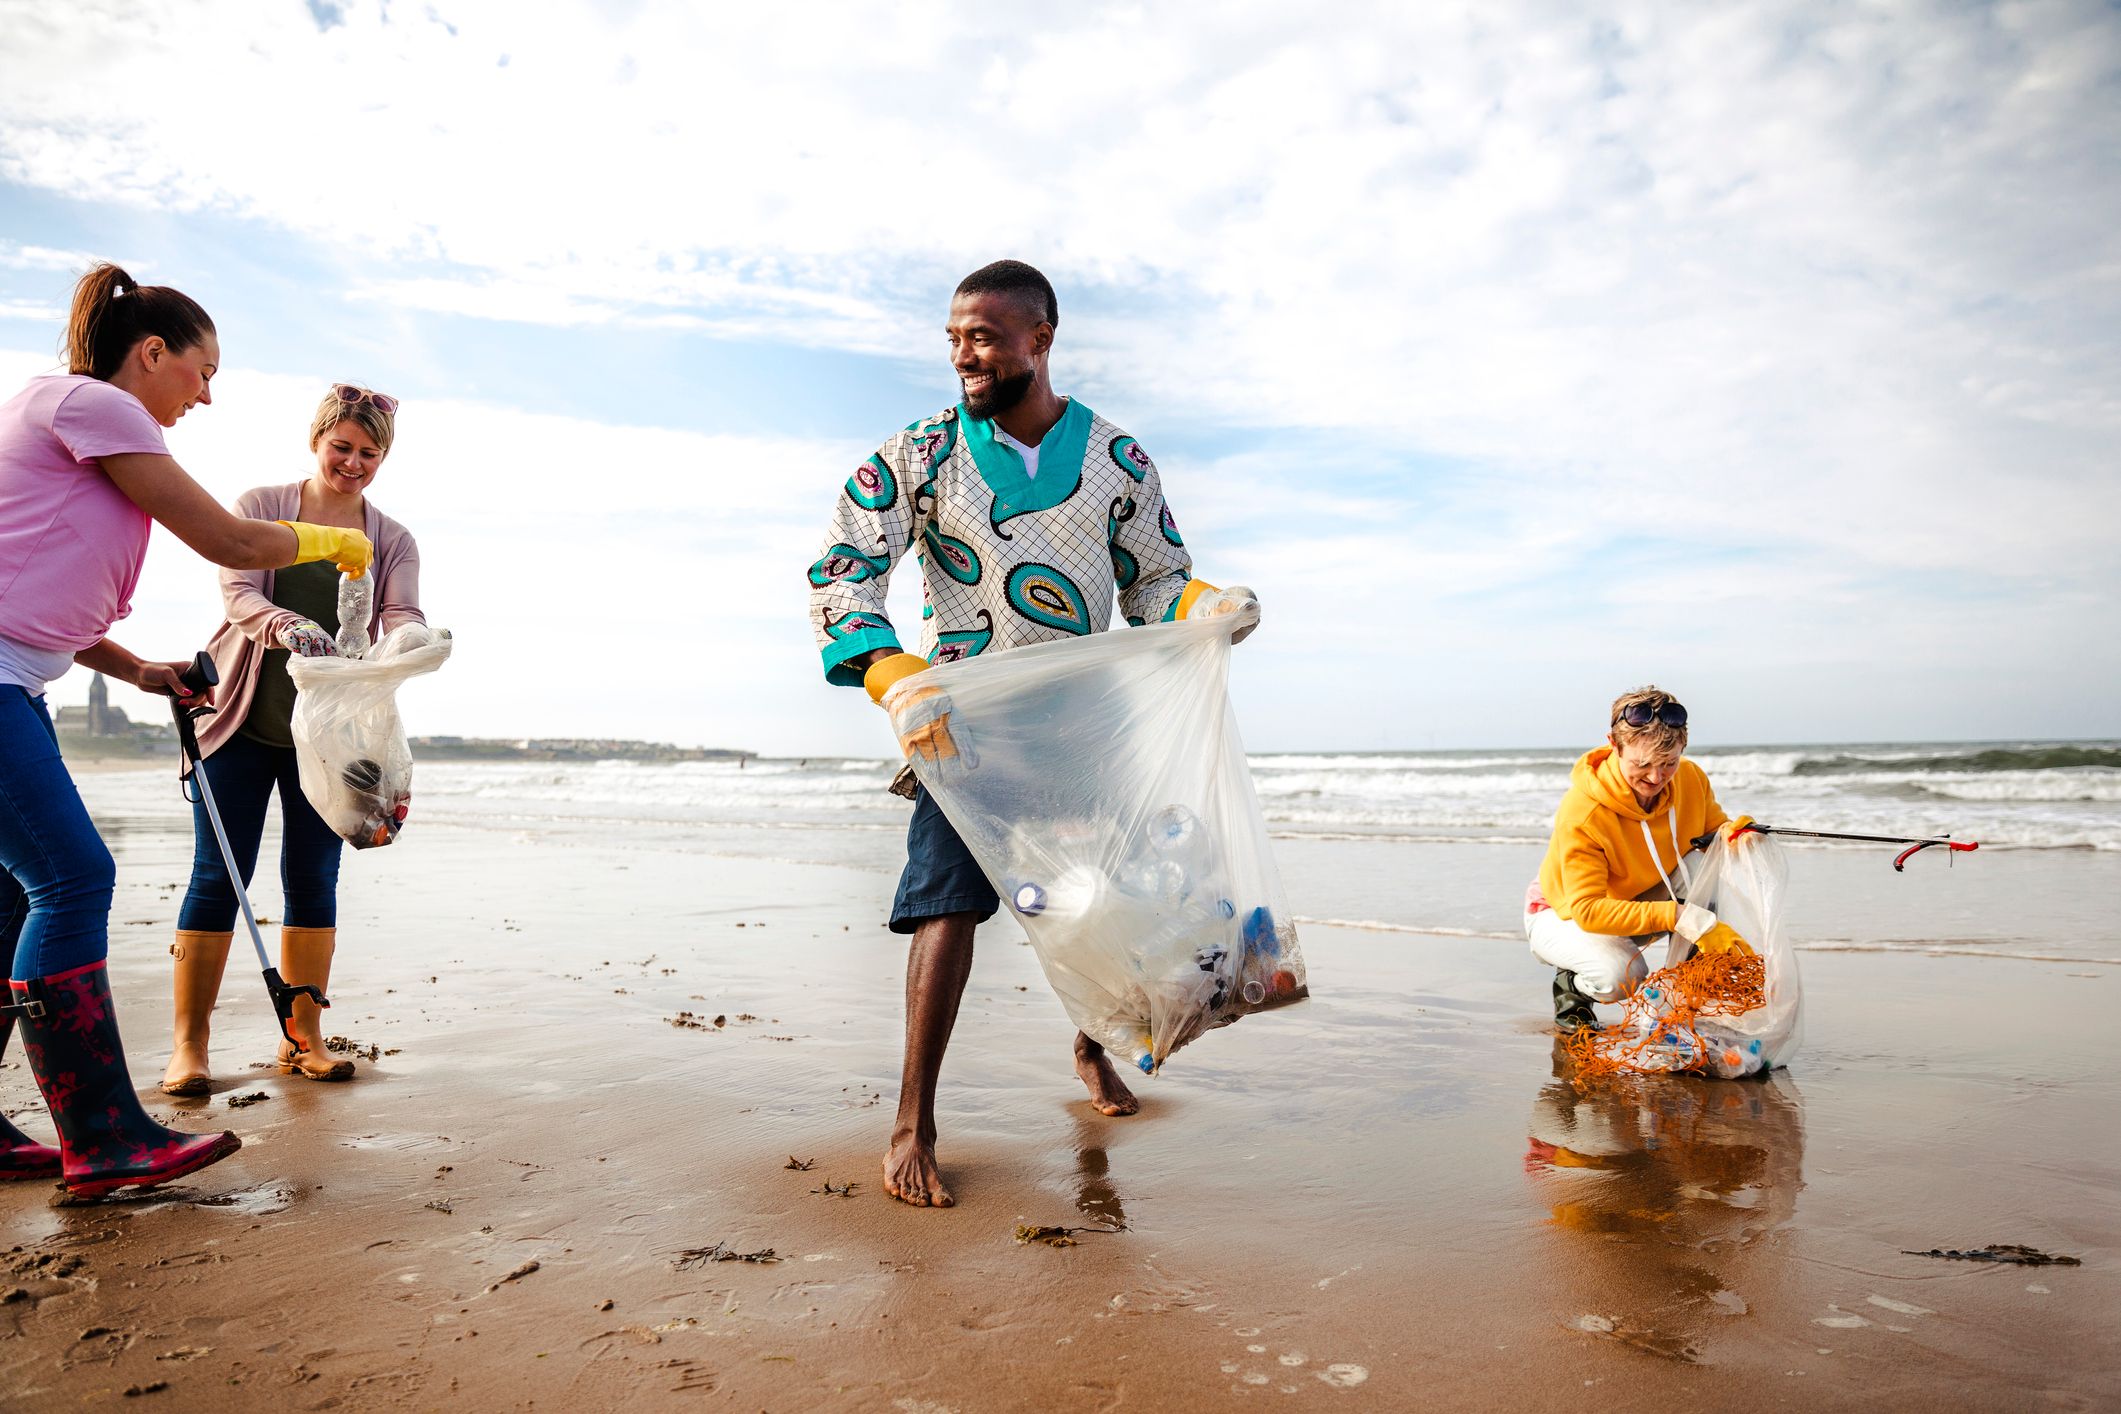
[(112, 312)]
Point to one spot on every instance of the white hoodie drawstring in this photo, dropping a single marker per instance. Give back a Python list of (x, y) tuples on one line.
[(1686, 878)]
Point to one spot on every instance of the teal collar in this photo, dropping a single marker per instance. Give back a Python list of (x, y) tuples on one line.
[(1060, 462)]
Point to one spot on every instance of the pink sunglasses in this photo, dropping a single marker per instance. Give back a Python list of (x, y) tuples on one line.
[(353, 397)]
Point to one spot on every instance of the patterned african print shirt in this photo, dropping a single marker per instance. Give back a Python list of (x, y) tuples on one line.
[(1006, 559)]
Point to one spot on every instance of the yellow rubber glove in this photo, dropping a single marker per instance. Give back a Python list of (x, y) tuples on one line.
[(1734, 832), (921, 718), (886, 673), (1723, 938), (348, 549)]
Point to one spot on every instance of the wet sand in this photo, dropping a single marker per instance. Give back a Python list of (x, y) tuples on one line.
[(1347, 1203)]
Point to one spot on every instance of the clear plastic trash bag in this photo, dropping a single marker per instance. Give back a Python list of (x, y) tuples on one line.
[(1748, 888), (1102, 787), (350, 747)]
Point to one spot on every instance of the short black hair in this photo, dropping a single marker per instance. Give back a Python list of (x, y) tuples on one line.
[(1012, 277)]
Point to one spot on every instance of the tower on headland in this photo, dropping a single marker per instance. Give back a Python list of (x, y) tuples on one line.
[(100, 720)]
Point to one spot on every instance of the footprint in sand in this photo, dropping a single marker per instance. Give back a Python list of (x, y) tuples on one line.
[(1344, 1376)]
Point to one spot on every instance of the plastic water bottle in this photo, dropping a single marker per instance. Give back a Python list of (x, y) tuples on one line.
[(1078, 895), (1176, 830), (1260, 935), (357, 599), (1029, 899), (1673, 1049), (1166, 880), (1735, 1057)]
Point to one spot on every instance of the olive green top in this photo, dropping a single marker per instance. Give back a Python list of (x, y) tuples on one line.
[(311, 590)]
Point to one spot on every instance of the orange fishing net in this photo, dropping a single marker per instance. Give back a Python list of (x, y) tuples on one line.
[(1661, 1031)]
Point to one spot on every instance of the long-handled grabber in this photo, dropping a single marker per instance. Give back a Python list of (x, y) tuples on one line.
[(1916, 845), (200, 676)]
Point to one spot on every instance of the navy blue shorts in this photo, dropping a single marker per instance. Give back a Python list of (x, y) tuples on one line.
[(941, 876)]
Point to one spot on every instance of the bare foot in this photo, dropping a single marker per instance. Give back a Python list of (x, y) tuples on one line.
[(910, 1173), (187, 1073), (1109, 1094)]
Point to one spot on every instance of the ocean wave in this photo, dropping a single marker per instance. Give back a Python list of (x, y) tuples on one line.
[(1972, 761), (1411, 761), (1908, 948), (1404, 785), (1389, 837), (1372, 925)]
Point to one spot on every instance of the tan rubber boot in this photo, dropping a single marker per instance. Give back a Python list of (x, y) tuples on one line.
[(305, 959), (200, 960)]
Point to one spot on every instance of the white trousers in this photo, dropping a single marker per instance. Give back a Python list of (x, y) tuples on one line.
[(1607, 967)]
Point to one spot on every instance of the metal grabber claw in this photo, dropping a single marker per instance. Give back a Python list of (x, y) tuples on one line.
[(200, 676)]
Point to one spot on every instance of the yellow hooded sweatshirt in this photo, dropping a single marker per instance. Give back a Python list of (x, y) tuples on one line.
[(1598, 860)]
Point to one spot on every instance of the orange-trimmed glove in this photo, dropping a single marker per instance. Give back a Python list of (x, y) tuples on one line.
[(920, 715), (1202, 600), (1734, 830), (348, 549)]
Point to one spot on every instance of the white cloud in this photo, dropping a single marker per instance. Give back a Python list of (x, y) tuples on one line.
[(587, 599), (1797, 251), (16, 256), (1828, 290)]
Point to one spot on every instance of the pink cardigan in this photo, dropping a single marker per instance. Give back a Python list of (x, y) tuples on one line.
[(254, 620)]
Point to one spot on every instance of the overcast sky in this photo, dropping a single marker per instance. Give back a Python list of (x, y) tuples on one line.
[(1516, 354)]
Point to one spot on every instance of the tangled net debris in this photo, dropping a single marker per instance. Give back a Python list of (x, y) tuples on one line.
[(1662, 1030)]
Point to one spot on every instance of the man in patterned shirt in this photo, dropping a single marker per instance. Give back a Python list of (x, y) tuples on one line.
[(1019, 505)]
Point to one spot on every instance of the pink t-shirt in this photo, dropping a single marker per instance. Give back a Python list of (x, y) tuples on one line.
[(71, 543)]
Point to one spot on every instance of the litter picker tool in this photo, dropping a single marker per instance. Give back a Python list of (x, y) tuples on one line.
[(200, 676), (1916, 844)]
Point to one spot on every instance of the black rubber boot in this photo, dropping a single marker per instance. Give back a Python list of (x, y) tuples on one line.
[(1572, 1009), (70, 1036)]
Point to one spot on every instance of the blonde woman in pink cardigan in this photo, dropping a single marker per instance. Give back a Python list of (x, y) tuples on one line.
[(247, 746)]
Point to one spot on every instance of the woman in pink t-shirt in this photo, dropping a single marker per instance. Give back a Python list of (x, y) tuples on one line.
[(83, 475)]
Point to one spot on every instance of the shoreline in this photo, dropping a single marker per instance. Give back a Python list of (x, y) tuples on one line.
[(1332, 1202)]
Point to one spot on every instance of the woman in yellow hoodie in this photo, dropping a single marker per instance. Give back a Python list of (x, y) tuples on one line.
[(1615, 876)]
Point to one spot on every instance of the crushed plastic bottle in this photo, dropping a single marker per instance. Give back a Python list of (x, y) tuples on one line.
[(357, 605)]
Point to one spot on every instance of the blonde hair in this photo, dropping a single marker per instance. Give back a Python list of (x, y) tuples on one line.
[(378, 424), (1656, 738)]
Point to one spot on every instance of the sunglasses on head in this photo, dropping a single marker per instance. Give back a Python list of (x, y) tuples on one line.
[(1641, 714), (353, 397)]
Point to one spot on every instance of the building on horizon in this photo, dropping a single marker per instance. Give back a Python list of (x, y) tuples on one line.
[(103, 729)]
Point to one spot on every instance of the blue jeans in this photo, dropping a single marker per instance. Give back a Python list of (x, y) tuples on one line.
[(243, 773), (56, 891)]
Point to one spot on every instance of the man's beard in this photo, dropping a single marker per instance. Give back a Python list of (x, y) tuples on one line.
[(1001, 395)]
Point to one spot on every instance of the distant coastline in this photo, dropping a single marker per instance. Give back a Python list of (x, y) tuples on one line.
[(472, 748)]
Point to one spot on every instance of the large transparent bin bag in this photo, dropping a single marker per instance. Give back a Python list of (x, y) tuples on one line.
[(1746, 886), (1102, 787), (350, 747)]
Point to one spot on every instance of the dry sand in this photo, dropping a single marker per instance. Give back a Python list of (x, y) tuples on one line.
[(1328, 1206)]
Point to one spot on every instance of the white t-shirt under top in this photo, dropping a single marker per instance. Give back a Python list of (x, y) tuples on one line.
[(32, 669), (1029, 454)]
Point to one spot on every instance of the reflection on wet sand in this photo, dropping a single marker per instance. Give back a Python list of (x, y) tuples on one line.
[(1666, 1193), (1095, 1197)]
